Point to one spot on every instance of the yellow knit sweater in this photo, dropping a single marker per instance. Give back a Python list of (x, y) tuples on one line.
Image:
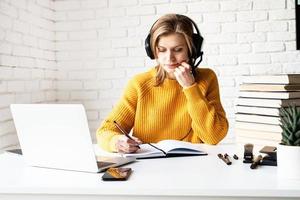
[(168, 111)]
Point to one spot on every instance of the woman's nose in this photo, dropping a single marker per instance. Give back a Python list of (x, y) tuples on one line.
[(170, 55)]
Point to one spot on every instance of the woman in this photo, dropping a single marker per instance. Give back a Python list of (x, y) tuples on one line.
[(174, 100)]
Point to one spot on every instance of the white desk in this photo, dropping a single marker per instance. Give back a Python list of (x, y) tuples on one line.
[(201, 177)]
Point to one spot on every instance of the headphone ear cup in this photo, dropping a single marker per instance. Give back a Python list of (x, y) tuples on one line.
[(197, 41), (148, 47)]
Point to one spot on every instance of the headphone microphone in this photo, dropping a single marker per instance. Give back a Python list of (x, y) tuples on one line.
[(196, 38)]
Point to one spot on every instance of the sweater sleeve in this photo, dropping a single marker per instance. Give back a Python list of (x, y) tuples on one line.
[(123, 113), (209, 121)]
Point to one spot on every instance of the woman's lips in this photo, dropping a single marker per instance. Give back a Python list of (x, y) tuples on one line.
[(172, 66)]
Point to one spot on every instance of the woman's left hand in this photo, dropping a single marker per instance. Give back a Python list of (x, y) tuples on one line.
[(184, 76)]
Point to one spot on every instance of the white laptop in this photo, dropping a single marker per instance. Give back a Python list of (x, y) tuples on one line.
[(57, 136)]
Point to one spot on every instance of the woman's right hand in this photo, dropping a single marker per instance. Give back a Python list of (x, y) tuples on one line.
[(126, 145)]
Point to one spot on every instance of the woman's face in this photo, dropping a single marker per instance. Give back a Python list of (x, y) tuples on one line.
[(171, 51)]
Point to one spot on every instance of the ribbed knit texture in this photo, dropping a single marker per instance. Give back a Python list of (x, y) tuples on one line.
[(168, 111)]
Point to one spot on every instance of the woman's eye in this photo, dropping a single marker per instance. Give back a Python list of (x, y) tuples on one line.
[(161, 50), (178, 50)]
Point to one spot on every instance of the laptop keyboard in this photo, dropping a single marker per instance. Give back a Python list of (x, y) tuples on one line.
[(104, 164)]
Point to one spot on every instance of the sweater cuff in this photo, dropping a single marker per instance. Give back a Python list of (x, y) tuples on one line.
[(193, 93)]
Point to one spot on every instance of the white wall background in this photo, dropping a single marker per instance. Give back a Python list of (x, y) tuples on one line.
[(27, 58), (85, 51)]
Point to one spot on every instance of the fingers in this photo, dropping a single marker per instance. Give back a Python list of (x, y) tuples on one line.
[(127, 148), (186, 65), (183, 69), (137, 140), (183, 75), (126, 145)]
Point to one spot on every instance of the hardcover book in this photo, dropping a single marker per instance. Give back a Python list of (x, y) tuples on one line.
[(277, 79), (257, 118), (273, 103), (257, 110), (265, 135), (270, 95), (269, 87), (258, 127), (167, 148)]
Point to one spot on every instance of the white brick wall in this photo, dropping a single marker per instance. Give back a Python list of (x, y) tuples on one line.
[(97, 45), (27, 59)]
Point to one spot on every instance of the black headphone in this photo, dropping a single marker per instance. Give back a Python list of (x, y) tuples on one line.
[(197, 42)]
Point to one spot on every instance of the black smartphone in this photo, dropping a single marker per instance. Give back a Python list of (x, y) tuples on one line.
[(116, 174)]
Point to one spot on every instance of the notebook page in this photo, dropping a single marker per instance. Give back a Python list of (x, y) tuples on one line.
[(145, 150), (168, 145)]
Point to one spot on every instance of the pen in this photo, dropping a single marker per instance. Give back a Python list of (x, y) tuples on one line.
[(224, 159), (124, 132)]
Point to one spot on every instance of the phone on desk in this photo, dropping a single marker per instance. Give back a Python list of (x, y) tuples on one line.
[(116, 174)]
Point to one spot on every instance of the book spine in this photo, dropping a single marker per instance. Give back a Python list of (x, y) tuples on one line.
[(272, 103), (158, 148), (273, 79), (266, 79), (269, 88), (257, 119), (257, 110), (258, 127), (271, 95), (258, 134)]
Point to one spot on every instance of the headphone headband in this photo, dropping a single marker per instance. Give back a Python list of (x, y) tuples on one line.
[(197, 43)]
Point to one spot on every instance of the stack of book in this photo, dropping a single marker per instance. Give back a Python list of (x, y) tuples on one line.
[(257, 108)]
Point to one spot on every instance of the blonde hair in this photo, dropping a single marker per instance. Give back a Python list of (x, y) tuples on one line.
[(167, 24)]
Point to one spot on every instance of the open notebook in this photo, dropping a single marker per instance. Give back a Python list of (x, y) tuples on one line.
[(167, 148)]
